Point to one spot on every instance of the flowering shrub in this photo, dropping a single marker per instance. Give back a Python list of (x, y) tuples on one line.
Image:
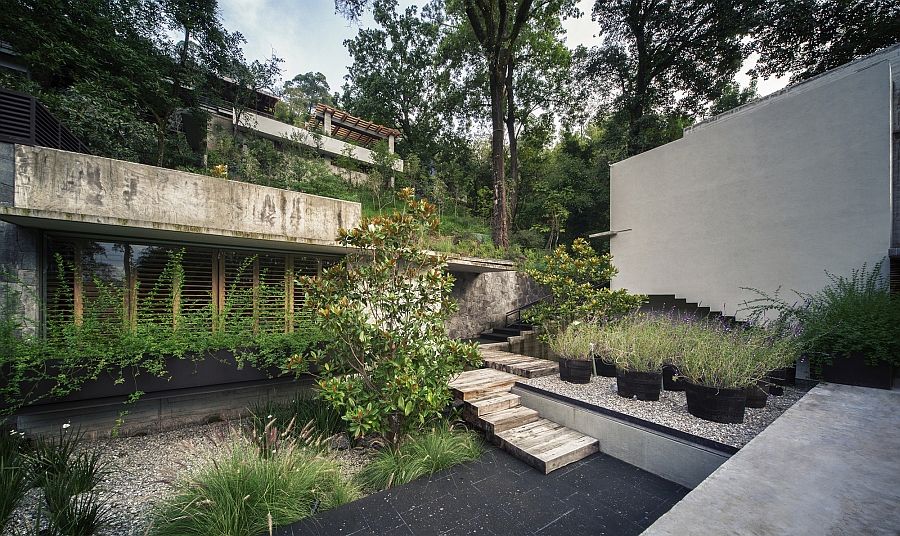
[(383, 309), (578, 282)]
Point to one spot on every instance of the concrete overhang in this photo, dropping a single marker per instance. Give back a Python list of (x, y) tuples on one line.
[(148, 230), (478, 265)]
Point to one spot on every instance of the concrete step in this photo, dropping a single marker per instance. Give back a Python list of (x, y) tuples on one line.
[(491, 403), (545, 445), (490, 335), (506, 419), (478, 383), (509, 332), (521, 365)]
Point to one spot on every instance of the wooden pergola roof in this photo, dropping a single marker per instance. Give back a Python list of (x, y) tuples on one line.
[(348, 127)]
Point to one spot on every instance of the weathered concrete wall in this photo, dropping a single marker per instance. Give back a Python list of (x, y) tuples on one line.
[(771, 195), (484, 299), (127, 194)]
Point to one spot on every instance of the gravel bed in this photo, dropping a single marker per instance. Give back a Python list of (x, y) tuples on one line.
[(671, 410), (143, 469)]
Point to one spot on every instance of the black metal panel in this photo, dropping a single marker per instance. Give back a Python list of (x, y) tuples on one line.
[(25, 121)]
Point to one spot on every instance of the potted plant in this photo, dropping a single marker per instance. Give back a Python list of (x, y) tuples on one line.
[(850, 328), (720, 360), (575, 346), (604, 363), (640, 346)]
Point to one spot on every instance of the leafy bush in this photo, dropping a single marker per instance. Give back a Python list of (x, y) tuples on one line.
[(639, 343), (420, 455), (383, 309), (848, 315), (578, 283), (243, 493)]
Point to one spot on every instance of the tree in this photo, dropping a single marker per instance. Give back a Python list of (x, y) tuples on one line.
[(808, 37), (384, 308), (664, 57), (248, 80), (300, 95), (394, 79), (732, 97)]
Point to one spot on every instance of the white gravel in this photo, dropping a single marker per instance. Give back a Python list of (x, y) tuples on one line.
[(671, 409), (143, 469)]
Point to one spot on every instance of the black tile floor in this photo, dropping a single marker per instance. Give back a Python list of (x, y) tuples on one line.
[(498, 494)]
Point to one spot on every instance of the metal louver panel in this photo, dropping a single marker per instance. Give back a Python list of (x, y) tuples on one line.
[(25, 121)]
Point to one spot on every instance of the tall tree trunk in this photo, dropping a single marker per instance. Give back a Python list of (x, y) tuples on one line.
[(513, 144), (499, 223)]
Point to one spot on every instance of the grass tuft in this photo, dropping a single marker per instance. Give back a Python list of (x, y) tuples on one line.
[(307, 420), (243, 493), (420, 455)]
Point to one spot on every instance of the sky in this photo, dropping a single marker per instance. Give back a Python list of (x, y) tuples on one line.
[(310, 36)]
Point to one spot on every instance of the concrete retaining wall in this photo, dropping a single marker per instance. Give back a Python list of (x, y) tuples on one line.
[(666, 455)]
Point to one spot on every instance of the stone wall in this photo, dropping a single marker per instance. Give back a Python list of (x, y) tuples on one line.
[(485, 298), (20, 256)]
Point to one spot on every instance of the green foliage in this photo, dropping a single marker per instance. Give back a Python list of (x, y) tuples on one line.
[(14, 480), (105, 339), (242, 493), (577, 282), (420, 455), (383, 309), (706, 351), (855, 314), (804, 38), (577, 341), (314, 420)]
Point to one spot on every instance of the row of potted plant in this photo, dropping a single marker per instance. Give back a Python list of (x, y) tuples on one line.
[(715, 360)]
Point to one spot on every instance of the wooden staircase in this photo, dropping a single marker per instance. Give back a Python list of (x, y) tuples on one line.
[(489, 405)]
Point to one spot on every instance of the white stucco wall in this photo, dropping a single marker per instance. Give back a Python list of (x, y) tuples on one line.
[(771, 195)]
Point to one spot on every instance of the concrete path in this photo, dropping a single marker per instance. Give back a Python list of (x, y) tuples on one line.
[(829, 466)]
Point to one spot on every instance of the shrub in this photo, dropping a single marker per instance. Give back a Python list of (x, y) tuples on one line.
[(578, 341), (383, 309), (848, 315), (243, 493), (639, 343), (578, 281), (14, 481), (420, 455)]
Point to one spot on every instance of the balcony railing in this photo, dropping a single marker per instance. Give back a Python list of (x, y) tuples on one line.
[(25, 121)]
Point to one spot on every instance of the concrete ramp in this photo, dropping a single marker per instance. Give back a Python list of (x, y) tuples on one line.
[(830, 465)]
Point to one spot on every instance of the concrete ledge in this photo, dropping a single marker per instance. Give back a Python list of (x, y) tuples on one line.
[(829, 465), (683, 458), (156, 414)]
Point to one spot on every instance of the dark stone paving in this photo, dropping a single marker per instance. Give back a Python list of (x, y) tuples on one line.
[(498, 494)]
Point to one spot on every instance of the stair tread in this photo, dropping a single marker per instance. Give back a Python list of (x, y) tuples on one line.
[(494, 423), (508, 414), (546, 445), (478, 383), (521, 365), (491, 402)]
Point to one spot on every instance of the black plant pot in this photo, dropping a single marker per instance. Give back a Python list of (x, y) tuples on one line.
[(756, 397), (854, 370), (575, 370), (604, 369), (783, 376), (643, 385), (717, 405), (670, 383)]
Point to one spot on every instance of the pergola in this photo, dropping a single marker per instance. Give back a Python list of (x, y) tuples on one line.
[(340, 124)]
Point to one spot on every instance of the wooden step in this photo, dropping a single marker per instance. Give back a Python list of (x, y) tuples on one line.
[(490, 404), (479, 383), (520, 365), (545, 445), (492, 423)]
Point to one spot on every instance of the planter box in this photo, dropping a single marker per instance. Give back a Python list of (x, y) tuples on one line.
[(216, 369), (853, 370)]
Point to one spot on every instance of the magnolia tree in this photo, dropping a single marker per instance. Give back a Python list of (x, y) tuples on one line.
[(384, 308), (578, 282)]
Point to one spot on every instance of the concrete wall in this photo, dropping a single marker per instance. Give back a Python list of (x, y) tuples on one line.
[(770, 195), (485, 298), (120, 193)]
